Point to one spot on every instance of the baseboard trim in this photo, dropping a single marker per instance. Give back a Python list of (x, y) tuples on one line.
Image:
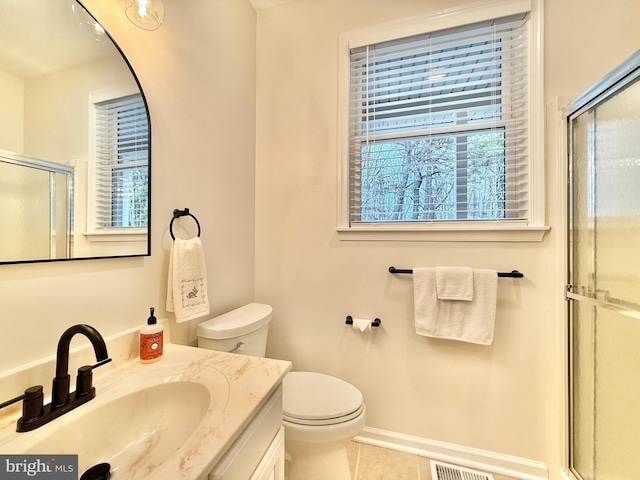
[(510, 466)]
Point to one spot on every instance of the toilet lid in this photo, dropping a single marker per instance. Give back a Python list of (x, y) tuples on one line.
[(316, 399)]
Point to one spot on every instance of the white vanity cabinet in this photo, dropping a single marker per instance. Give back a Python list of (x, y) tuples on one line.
[(258, 453), (272, 465)]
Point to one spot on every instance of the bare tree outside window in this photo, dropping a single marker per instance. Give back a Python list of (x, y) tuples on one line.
[(422, 179)]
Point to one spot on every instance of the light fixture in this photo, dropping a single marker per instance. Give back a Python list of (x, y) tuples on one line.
[(146, 14), (88, 24)]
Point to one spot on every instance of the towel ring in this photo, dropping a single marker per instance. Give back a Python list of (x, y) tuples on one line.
[(182, 213)]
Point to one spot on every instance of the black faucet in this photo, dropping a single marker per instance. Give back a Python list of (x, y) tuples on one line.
[(60, 394), (34, 414)]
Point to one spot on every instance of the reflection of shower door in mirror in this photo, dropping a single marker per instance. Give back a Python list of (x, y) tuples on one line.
[(604, 277), (37, 208)]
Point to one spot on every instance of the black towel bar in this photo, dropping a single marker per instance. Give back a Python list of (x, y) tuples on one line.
[(182, 213), (511, 274)]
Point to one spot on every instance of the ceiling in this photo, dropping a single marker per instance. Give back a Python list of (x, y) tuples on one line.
[(41, 37), (264, 4)]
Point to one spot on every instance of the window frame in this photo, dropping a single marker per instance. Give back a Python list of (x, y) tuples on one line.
[(531, 230), (93, 232)]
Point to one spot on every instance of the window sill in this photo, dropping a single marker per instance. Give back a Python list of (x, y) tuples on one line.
[(128, 235), (486, 232)]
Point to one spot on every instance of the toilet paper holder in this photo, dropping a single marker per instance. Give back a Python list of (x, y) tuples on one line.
[(375, 323)]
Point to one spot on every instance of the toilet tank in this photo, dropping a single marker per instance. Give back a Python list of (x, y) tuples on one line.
[(243, 330)]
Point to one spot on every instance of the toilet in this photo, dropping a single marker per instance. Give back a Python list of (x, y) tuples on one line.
[(321, 413)]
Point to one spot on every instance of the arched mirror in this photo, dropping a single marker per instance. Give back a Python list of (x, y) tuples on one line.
[(74, 138)]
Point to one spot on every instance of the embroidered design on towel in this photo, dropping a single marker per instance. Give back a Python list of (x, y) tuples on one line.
[(193, 292)]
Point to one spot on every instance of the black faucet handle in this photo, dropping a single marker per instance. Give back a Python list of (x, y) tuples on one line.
[(32, 402), (100, 363), (84, 380), (32, 405), (12, 401)]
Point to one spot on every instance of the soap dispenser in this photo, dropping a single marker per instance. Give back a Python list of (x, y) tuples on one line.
[(151, 339)]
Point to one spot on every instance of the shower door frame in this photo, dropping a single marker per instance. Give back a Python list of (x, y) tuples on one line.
[(52, 168), (622, 76)]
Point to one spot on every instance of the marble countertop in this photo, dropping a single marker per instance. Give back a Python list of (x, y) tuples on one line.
[(238, 386)]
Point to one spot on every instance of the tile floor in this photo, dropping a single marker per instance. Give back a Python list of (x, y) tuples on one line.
[(368, 462)]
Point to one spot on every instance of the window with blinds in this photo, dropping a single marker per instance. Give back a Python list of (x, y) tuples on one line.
[(438, 126), (121, 163)]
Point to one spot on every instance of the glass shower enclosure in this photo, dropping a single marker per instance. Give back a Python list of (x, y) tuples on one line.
[(36, 201), (603, 288)]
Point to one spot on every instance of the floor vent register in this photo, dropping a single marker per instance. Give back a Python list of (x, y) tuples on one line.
[(445, 471)]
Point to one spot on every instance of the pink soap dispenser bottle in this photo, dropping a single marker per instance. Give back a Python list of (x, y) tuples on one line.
[(151, 344)]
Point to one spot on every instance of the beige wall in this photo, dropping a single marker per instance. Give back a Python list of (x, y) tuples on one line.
[(505, 398), (198, 74), (12, 113)]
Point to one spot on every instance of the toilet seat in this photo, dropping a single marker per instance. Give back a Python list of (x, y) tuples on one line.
[(311, 398)]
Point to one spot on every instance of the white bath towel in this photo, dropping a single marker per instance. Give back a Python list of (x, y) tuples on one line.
[(187, 280), (454, 283), (472, 321)]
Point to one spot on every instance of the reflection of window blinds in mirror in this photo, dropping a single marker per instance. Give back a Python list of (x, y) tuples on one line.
[(122, 168)]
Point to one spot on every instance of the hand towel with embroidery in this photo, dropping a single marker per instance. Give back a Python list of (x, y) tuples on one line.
[(465, 321), (454, 283), (187, 280)]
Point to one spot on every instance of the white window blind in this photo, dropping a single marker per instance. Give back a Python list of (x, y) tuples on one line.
[(438, 126), (121, 163)]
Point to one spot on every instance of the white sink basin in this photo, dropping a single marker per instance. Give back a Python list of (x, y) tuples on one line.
[(142, 428), (143, 420), (169, 420)]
